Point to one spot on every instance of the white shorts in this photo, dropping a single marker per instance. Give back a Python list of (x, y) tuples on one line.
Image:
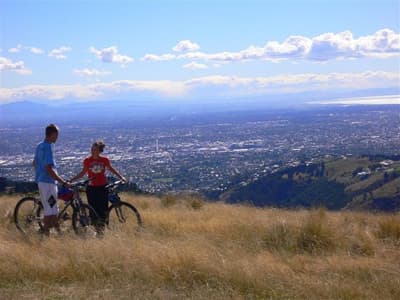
[(48, 197)]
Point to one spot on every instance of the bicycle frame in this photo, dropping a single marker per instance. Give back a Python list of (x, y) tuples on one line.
[(82, 213), (113, 194), (75, 202), (112, 191)]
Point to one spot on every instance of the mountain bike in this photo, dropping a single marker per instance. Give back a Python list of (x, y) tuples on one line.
[(121, 215), (28, 213)]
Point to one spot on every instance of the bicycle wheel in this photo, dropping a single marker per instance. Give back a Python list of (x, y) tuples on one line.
[(65, 218), (123, 216), (82, 221), (28, 215)]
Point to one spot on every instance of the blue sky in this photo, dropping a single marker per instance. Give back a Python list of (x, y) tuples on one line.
[(93, 50)]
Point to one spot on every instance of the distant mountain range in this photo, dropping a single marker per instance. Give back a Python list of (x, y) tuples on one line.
[(44, 111), (362, 183)]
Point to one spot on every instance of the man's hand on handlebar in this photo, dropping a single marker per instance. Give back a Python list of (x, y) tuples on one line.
[(66, 183)]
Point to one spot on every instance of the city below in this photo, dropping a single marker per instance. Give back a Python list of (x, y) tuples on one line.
[(204, 153)]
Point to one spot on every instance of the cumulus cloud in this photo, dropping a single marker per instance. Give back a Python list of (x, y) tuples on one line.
[(327, 46), (219, 85), (186, 45), (111, 55), (59, 53), (383, 43), (90, 72), (7, 64), (195, 66)]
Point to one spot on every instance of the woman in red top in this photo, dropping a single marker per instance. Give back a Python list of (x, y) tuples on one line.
[(95, 167)]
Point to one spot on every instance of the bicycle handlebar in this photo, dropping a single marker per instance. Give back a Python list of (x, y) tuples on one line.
[(79, 183), (115, 184), (85, 182)]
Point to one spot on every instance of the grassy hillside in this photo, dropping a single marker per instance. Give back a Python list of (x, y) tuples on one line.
[(191, 249)]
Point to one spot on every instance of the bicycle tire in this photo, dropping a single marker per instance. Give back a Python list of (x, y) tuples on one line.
[(32, 218), (82, 222), (127, 210)]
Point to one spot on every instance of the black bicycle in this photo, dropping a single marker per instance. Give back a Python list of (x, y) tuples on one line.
[(28, 213), (122, 216)]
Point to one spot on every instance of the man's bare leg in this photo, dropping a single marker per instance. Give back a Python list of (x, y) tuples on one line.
[(47, 224), (50, 222), (56, 224)]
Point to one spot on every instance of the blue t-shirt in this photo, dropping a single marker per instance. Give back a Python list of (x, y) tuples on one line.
[(44, 157)]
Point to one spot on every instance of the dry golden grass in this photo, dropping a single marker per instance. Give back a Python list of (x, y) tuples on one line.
[(209, 251)]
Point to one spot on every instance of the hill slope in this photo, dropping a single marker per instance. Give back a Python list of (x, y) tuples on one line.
[(349, 182), (191, 249)]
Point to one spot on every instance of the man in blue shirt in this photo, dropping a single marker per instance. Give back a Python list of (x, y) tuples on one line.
[(46, 177)]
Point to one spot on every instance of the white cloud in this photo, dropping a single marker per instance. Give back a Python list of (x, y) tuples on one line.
[(383, 43), (59, 53), (154, 57), (90, 72), (221, 56), (374, 100), (194, 66), (167, 88), (211, 86), (51, 92), (90, 91), (327, 46), (19, 48), (16, 49), (34, 50), (186, 45), (111, 55), (7, 64)]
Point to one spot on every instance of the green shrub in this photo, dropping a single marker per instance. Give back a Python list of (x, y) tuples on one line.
[(195, 203), (168, 200)]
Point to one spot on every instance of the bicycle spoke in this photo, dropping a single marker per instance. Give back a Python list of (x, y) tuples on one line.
[(120, 214), (123, 217), (28, 215)]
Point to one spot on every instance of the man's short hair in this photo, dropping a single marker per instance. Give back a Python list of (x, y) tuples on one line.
[(50, 129)]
